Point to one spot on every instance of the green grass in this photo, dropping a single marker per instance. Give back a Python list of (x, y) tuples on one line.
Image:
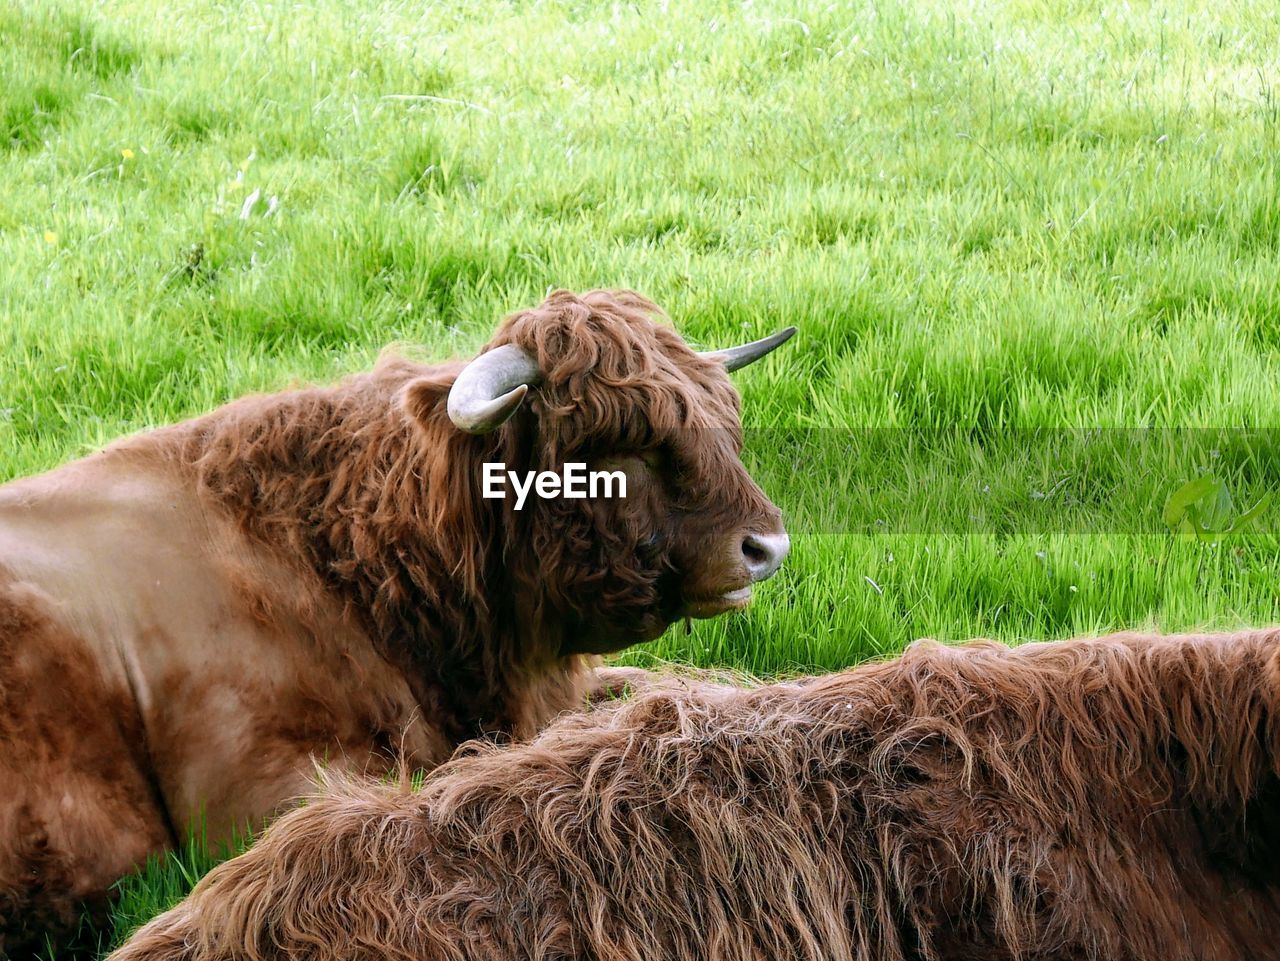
[(1006, 217)]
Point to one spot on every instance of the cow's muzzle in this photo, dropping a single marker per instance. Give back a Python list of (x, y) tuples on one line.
[(763, 553)]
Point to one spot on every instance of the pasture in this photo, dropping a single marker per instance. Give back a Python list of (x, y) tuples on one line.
[(1031, 247)]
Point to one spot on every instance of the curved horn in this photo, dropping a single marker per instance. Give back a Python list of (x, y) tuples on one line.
[(490, 388), (735, 357)]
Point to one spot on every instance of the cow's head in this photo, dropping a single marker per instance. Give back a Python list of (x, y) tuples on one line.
[(594, 379)]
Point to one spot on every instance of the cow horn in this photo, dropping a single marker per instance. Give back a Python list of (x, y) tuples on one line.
[(735, 357), (490, 388)]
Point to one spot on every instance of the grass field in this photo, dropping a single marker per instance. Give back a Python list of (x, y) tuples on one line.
[(991, 223)]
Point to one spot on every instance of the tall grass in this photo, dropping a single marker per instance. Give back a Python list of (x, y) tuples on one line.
[(1000, 217)]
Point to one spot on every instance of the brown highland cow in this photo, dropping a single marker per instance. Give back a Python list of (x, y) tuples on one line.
[(191, 616), (1112, 799)]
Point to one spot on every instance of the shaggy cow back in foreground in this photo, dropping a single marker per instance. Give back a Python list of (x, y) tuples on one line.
[(1110, 799)]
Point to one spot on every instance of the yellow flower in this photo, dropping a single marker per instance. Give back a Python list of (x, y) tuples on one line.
[(50, 237), (126, 153)]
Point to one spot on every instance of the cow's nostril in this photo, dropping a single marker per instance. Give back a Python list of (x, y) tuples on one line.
[(763, 553)]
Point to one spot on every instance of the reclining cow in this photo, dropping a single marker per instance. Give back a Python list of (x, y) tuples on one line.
[(1111, 799), (191, 616)]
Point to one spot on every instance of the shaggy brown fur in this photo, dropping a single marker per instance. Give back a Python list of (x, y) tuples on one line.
[(314, 574), (475, 601), (1104, 799)]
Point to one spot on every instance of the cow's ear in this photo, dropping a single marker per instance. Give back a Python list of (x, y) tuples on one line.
[(423, 399)]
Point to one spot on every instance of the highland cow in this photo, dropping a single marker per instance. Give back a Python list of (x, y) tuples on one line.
[(191, 616), (1094, 799)]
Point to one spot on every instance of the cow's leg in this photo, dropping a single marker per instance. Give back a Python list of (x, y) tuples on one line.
[(77, 810), (65, 838), (610, 683), (613, 682)]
